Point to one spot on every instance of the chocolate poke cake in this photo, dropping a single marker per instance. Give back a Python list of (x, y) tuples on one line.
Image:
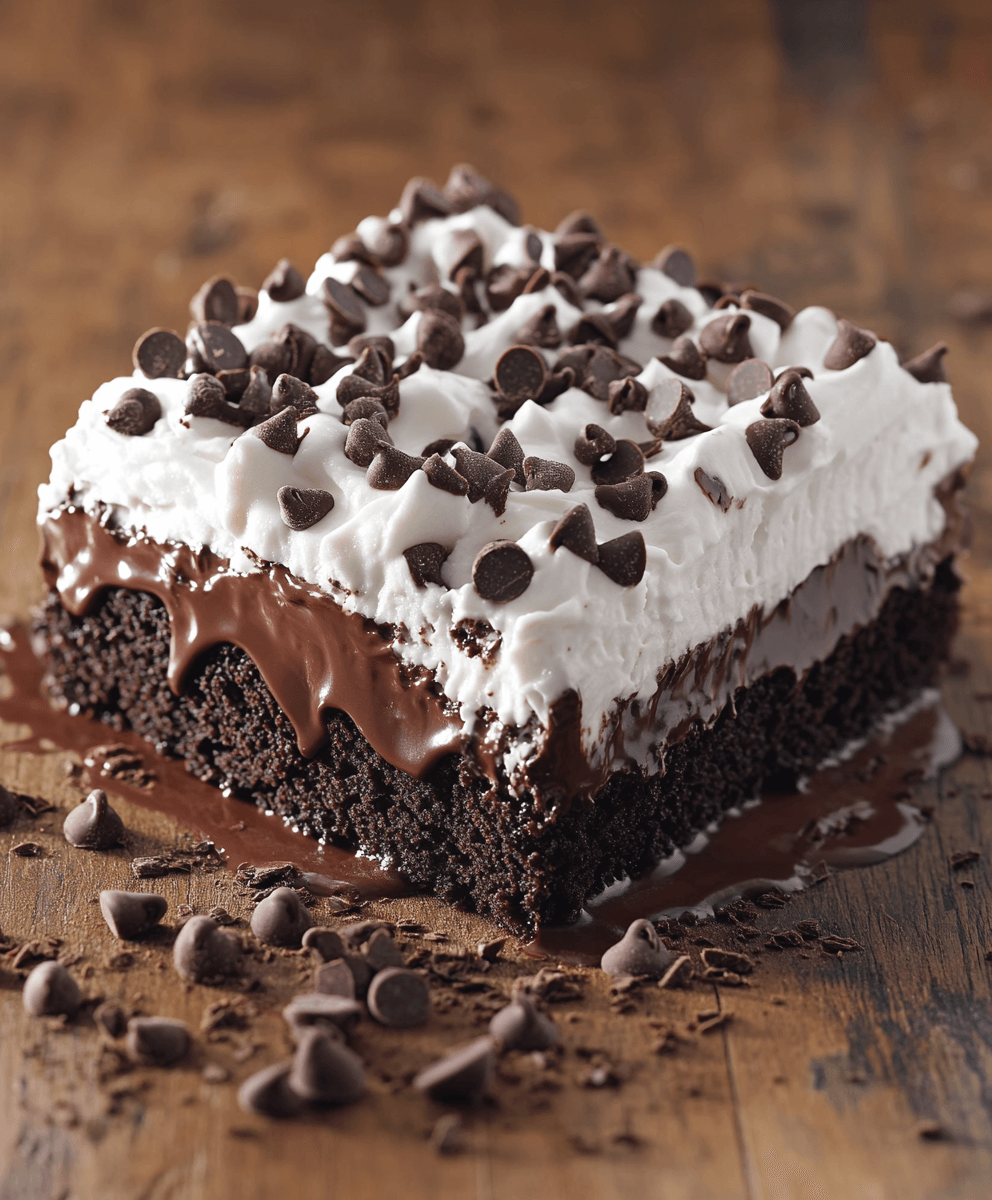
[(499, 556)]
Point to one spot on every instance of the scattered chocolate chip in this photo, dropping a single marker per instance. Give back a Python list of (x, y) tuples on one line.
[(639, 952), (159, 354), (576, 532), (219, 348), (301, 508), (580, 221), (289, 391), (217, 301), (447, 1134), (541, 329), (928, 367), (284, 283), (380, 951), (478, 469), (439, 339), (505, 283), (623, 559), (326, 1071), (368, 407), (93, 825), (520, 373), (423, 200), (726, 338), (50, 991), (203, 951), (677, 264), (345, 309), (850, 345), (576, 252), (685, 359), (502, 571), (399, 998), (630, 501), (545, 475), (789, 399), (364, 438), (627, 395), (353, 387), (324, 942), (391, 468), (390, 245), (609, 277), (568, 288), (157, 1041), (280, 919), (279, 432), (425, 561), (521, 1026), (436, 298), (464, 1074), (111, 1018), (461, 251), (932, 1131), (769, 306), (322, 1010), (748, 380), (507, 452), (340, 977), (768, 440), (593, 445), (593, 329), (206, 397), (268, 1093), (672, 319), (626, 461), (28, 850), (714, 489), (130, 914), (443, 476), (135, 413), (8, 806)]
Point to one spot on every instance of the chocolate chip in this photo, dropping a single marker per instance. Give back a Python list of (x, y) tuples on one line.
[(301, 508), (206, 397), (593, 445), (576, 252), (623, 559), (399, 998), (505, 283), (685, 359), (677, 264), (789, 398), (159, 354), (390, 245), (364, 438), (673, 396), (714, 489), (594, 328), (466, 189), (520, 373), (442, 476), (769, 306), (337, 977), (464, 1074), (423, 200), (219, 348), (234, 382), (461, 250), (672, 319), (627, 395), (440, 447), (204, 952), (567, 286), (506, 451), (439, 339), (623, 464), (324, 942), (497, 490), (546, 475), (247, 304), (345, 309), (324, 364), (367, 407), (621, 317), (325, 1071), (630, 501), (299, 349), (478, 469), (580, 221), (436, 298), (728, 300), (726, 338), (322, 1010), (129, 914), (350, 248), (639, 952), (385, 345), (391, 468), (371, 286), (372, 365), (425, 561), (768, 439), (135, 413), (537, 282), (520, 1026), (380, 951), (157, 1041), (111, 1018), (556, 383), (352, 387), (576, 532), (272, 357), (257, 396), (288, 391), (602, 366), (284, 282), (268, 1094), (502, 571), (533, 245), (748, 380), (850, 345), (609, 277), (50, 991), (279, 432), (93, 825), (280, 919), (928, 367), (215, 301)]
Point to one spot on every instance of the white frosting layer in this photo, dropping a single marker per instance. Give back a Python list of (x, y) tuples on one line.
[(869, 466)]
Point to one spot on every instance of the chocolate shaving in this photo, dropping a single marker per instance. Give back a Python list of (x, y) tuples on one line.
[(927, 367), (440, 340), (850, 345), (714, 489), (748, 380), (726, 338), (425, 561), (677, 264), (135, 413), (216, 300), (284, 282), (624, 558), (159, 354), (609, 277), (541, 330), (789, 399), (300, 508), (545, 475), (682, 422), (441, 475), (391, 468), (685, 359), (769, 306), (576, 532), (627, 395), (625, 462), (502, 571), (768, 440), (672, 319), (279, 432)]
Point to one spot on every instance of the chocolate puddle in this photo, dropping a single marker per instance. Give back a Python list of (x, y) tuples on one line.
[(852, 813)]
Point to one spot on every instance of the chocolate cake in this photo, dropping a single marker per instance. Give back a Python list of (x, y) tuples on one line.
[(498, 556)]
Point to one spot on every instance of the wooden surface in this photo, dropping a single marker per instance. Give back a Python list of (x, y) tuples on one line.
[(831, 151)]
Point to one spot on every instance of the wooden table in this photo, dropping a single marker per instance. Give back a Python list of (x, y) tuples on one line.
[(832, 151)]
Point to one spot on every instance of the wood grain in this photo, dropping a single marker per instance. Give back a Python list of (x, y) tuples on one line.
[(833, 152)]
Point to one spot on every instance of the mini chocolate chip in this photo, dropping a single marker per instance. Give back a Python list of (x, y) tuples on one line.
[(390, 245), (130, 914), (219, 348), (726, 338), (464, 1074), (423, 200), (541, 330), (673, 396), (301, 508), (537, 282), (371, 286), (478, 469), (364, 438), (630, 501), (639, 952), (350, 248), (279, 432), (284, 282), (203, 951), (289, 391), (685, 359), (576, 532), (714, 489), (215, 301), (322, 1010), (748, 380), (568, 288), (505, 283), (399, 998), (623, 559), (769, 306), (672, 319), (247, 304), (466, 189), (280, 919), (850, 345), (677, 264), (789, 398), (576, 252), (546, 475), (347, 976), (506, 451), (50, 991), (621, 317), (324, 364), (325, 1071), (257, 396), (441, 475), (267, 1093), (159, 354), (425, 561), (157, 1041), (768, 439), (928, 367), (627, 395), (520, 373), (592, 329), (520, 1026), (345, 309), (324, 942), (93, 825), (609, 277), (502, 571), (365, 406), (626, 461), (135, 413), (440, 340), (391, 468), (593, 445)]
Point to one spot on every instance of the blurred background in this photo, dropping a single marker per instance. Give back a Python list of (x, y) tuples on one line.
[(829, 151)]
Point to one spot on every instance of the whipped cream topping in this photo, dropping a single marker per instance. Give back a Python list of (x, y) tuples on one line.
[(868, 466)]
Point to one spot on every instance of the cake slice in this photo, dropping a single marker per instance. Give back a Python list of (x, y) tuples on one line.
[(498, 556)]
